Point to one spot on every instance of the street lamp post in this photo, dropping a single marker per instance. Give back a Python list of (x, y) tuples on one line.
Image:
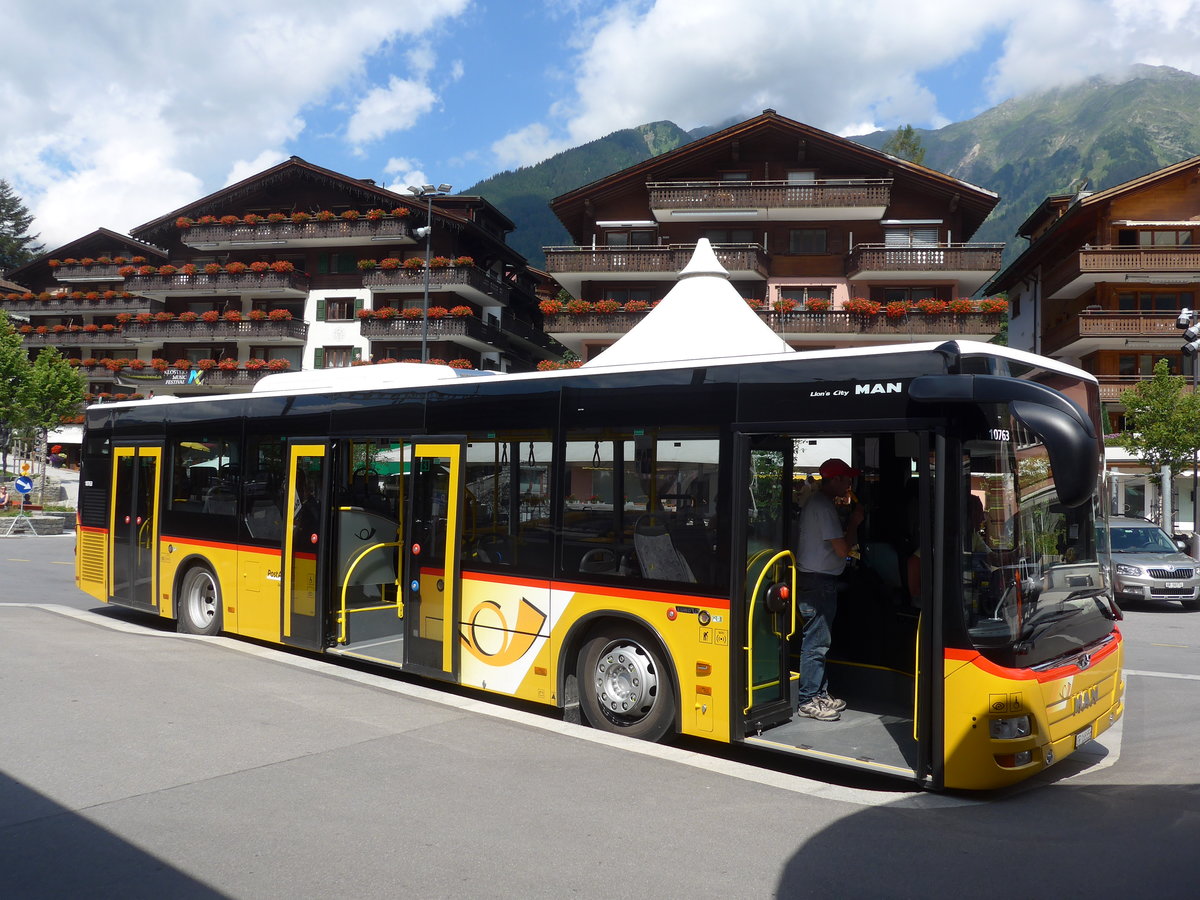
[(1189, 319), (427, 192)]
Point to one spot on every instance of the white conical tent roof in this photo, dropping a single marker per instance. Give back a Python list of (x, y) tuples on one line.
[(702, 317)]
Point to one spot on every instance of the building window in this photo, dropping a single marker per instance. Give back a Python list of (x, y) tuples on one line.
[(1143, 363), (339, 309), (624, 295), (337, 264), (729, 235), (807, 240), (1153, 301), (1157, 237), (801, 176), (337, 357), (803, 294), (908, 294), (635, 237), (912, 236)]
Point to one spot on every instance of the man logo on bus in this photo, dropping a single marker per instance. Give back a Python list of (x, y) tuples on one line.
[(879, 387)]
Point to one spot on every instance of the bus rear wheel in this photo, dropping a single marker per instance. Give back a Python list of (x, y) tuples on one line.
[(624, 686), (199, 605)]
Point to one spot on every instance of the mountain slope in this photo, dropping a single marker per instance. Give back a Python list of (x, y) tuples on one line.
[(1101, 130)]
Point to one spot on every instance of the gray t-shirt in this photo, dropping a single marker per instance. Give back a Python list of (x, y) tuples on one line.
[(819, 524)]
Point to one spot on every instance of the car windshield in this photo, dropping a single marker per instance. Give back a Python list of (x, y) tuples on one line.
[(1141, 539)]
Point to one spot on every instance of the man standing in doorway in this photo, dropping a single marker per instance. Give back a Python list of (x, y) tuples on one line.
[(825, 543)]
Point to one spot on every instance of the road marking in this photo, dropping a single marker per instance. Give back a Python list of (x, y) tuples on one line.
[(1181, 646), (1098, 754), (18, 559), (1162, 674), (60, 563)]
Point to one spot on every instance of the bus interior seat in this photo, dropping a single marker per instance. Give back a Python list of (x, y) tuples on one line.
[(656, 552), (600, 561)]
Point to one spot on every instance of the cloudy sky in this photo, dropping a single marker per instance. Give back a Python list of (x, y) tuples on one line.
[(114, 114)]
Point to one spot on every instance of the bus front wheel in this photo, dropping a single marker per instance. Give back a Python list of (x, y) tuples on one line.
[(624, 686), (199, 609)]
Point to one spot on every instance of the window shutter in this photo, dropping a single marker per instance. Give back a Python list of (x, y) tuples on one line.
[(319, 358), (323, 264), (320, 310), (357, 354), (358, 305)]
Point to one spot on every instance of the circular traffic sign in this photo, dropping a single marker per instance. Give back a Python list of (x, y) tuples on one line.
[(24, 484)]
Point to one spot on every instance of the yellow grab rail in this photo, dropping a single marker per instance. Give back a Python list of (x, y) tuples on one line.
[(346, 586), (782, 554)]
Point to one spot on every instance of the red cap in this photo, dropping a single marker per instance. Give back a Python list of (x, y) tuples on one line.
[(833, 468)]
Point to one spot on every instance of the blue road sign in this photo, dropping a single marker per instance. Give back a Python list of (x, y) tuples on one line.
[(24, 484)]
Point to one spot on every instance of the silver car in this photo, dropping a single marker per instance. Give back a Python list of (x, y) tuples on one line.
[(1147, 565)]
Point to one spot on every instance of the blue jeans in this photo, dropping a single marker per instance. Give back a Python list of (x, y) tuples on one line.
[(816, 598)]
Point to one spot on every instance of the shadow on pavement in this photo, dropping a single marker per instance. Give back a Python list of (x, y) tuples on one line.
[(47, 850)]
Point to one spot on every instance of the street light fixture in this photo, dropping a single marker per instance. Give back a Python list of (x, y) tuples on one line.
[(1189, 319), (427, 192)]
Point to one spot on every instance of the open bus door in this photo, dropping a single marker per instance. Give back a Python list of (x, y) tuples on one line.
[(432, 575), (303, 549), (133, 525)]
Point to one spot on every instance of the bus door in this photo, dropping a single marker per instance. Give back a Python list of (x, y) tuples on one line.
[(304, 550), (432, 576), (767, 573), (134, 526)]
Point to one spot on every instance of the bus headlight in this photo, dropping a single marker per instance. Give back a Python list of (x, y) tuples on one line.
[(1009, 729), (1128, 570)]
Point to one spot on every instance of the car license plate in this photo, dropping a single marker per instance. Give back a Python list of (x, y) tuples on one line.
[(1083, 737), (1173, 584)]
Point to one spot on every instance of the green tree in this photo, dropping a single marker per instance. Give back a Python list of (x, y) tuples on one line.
[(1162, 422), (905, 144), (17, 245), (53, 392), (14, 373)]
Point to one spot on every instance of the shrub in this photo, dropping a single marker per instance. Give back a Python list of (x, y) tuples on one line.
[(164, 316), (141, 318), (607, 307), (993, 305), (365, 265), (122, 318), (785, 305), (413, 262), (961, 306), (551, 307), (279, 365), (897, 309), (232, 315), (932, 307), (400, 212), (388, 312), (253, 364), (189, 316), (411, 312), (90, 362), (752, 302), (146, 270), (187, 269), (205, 364), (230, 220), (280, 315), (207, 220), (258, 267), (817, 304), (183, 222), (210, 316), (158, 364), (235, 268), (212, 268), (390, 262), (283, 266), (182, 363), (299, 218), (460, 364), (440, 262), (276, 217), (636, 306), (578, 307), (464, 261), (862, 307), (375, 215), (324, 216), (227, 364), (461, 312), (257, 315), (438, 312), (349, 215), (252, 218)]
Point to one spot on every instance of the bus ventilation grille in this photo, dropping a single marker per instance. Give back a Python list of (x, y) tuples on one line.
[(91, 557)]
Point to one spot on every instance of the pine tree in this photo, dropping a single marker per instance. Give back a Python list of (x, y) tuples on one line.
[(17, 245), (905, 144)]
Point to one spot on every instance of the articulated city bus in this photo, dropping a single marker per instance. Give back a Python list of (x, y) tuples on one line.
[(620, 542)]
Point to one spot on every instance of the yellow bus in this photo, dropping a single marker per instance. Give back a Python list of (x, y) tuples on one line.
[(619, 543)]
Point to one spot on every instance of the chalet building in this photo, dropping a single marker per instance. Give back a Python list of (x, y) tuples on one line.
[(1101, 285), (834, 243), (297, 267)]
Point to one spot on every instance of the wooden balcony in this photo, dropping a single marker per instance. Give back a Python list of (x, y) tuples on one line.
[(824, 200), (1084, 269), (94, 272), (1112, 386), (1094, 330), (469, 282), (290, 284), (466, 331), (68, 338), (60, 306), (571, 266), (338, 232), (292, 331), (969, 265), (836, 327)]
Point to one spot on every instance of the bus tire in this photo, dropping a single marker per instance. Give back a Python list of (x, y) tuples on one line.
[(624, 686), (199, 606)]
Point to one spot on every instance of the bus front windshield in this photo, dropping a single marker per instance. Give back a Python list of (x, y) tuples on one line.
[(1034, 573)]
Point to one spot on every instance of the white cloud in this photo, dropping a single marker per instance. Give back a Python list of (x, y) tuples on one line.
[(527, 146), (387, 109), (244, 168), (140, 112), (407, 171)]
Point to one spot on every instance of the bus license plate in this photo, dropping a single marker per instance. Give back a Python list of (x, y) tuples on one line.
[(1173, 584), (1083, 737)]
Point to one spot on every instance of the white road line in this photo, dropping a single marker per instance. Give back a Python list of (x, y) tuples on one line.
[(1162, 674), (1099, 756)]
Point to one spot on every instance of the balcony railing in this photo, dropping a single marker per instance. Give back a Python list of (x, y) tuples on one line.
[(511, 325), (95, 272), (872, 258), (650, 260), (439, 329), (1112, 386), (1094, 325), (295, 283), (234, 378), (824, 195), (291, 331), (357, 231), (469, 281), (802, 323), (1091, 265), (77, 339), (58, 306)]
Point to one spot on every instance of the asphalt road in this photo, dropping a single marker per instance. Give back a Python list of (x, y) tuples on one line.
[(135, 762)]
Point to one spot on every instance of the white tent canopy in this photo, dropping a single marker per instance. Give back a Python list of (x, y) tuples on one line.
[(702, 317)]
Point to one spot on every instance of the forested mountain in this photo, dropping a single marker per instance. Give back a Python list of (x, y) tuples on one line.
[(1106, 131)]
